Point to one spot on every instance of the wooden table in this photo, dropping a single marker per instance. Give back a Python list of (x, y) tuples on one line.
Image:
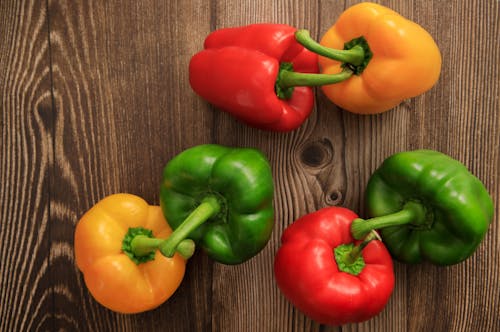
[(95, 100)]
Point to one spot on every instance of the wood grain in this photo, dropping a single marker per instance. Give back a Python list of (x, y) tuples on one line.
[(119, 81), (95, 100), (26, 153)]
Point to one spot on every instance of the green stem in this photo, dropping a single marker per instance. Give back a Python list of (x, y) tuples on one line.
[(356, 251), (348, 256), (142, 245), (209, 207), (354, 56), (289, 78), (412, 212)]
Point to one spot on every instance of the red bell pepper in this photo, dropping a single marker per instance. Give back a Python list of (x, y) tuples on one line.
[(238, 71), (327, 275)]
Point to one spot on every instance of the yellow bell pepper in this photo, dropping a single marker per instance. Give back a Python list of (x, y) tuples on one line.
[(405, 59), (115, 277)]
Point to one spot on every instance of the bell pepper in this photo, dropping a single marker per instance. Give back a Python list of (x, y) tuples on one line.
[(237, 72), (220, 197), (405, 60), (428, 206), (115, 275), (329, 276)]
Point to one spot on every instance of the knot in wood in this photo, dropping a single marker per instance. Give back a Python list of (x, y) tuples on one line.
[(316, 154)]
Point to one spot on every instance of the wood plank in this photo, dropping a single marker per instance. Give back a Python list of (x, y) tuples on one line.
[(123, 108), (26, 123)]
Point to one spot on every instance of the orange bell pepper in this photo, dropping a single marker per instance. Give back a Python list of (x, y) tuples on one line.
[(115, 277), (405, 63)]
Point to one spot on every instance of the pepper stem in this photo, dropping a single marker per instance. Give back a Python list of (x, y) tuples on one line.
[(209, 207), (288, 78), (354, 55), (356, 251), (412, 212), (143, 246), (349, 258), (140, 246)]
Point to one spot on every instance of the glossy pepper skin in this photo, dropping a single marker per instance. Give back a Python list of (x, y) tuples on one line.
[(311, 277), (112, 278), (406, 60), (429, 208), (238, 184), (238, 69)]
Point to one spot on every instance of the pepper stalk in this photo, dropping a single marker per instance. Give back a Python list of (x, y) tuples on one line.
[(354, 57), (413, 213), (140, 245), (349, 256)]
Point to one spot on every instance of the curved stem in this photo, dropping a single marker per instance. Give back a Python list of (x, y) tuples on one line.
[(348, 256), (289, 78), (142, 245), (412, 212), (354, 56), (356, 251), (208, 208)]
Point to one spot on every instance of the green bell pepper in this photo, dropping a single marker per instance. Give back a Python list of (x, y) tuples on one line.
[(429, 206), (220, 197)]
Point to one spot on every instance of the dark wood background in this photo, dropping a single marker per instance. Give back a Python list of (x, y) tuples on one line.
[(95, 99)]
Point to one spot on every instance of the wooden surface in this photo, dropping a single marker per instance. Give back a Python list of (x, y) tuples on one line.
[(95, 99)]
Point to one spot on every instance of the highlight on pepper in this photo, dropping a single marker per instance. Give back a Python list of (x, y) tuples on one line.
[(116, 244)]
